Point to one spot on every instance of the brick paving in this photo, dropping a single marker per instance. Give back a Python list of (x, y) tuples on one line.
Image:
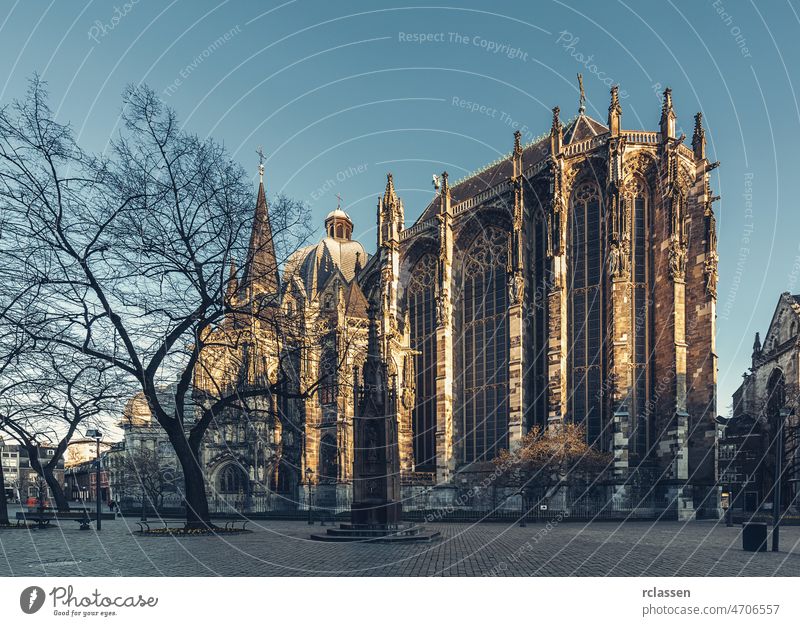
[(282, 548)]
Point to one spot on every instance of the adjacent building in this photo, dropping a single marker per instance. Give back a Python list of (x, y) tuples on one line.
[(768, 395)]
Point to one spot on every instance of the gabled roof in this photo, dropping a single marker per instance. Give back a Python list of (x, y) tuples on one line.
[(356, 304), (786, 301), (583, 127)]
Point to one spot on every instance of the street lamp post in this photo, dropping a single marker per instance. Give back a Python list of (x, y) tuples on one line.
[(776, 492), (309, 474), (95, 434)]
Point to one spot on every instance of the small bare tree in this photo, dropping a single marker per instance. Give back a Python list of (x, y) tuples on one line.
[(551, 459)]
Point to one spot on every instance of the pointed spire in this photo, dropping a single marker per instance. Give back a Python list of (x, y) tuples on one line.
[(517, 142), (390, 195), (757, 344), (614, 112), (261, 270), (556, 133), (699, 137), (667, 122)]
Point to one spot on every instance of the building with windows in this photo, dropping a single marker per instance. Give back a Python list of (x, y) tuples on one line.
[(572, 280), (22, 483), (769, 393)]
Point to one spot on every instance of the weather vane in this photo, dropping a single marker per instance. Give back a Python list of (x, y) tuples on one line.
[(260, 153), (583, 95), (338, 201)]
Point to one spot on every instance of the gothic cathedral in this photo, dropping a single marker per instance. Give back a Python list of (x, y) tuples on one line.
[(573, 280)]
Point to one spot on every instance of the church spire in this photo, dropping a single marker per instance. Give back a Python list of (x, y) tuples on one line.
[(260, 276), (582, 98)]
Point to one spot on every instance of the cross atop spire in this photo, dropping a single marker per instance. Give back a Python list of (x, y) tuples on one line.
[(338, 201)]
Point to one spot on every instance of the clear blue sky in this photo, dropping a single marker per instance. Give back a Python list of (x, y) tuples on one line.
[(339, 93)]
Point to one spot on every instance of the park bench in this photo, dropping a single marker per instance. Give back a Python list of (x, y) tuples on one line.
[(43, 518)]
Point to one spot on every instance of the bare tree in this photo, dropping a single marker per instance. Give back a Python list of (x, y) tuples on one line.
[(126, 258), (143, 472)]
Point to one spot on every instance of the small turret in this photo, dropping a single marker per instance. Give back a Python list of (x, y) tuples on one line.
[(614, 112), (391, 217), (757, 349), (338, 224), (699, 137)]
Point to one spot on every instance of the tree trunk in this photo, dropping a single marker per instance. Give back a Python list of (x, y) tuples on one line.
[(62, 504), (197, 514), (3, 503)]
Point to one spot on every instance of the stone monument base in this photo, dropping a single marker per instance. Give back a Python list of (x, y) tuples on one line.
[(384, 533)]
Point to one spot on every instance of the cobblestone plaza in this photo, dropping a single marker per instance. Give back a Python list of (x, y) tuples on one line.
[(283, 548)]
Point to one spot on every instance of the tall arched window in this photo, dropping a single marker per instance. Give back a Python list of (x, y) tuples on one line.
[(538, 320), (641, 269), (586, 306), (484, 350), (422, 319)]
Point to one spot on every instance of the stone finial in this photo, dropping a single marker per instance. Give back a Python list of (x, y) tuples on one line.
[(667, 122)]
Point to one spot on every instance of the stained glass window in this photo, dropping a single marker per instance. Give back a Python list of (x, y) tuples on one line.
[(641, 268), (586, 310), (422, 319), (483, 405)]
